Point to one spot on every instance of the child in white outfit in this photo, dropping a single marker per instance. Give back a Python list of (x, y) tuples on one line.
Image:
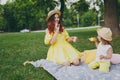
[(104, 50)]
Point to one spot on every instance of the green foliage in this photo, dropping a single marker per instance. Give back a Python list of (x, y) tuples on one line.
[(80, 7), (119, 9), (30, 14), (70, 15), (3, 23), (8, 14), (102, 11), (89, 19), (67, 19)]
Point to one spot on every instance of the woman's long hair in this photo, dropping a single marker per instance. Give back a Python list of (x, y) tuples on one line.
[(51, 24)]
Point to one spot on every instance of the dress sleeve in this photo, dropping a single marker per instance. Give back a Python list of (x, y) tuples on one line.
[(47, 38), (66, 34)]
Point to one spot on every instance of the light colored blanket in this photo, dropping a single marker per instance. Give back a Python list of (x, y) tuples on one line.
[(81, 72)]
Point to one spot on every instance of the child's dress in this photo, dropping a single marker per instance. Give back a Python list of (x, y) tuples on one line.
[(61, 51), (103, 64)]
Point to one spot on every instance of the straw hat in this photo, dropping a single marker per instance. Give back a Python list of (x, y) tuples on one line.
[(105, 33), (53, 12)]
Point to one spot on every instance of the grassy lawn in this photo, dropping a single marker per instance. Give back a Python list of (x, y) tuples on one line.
[(15, 48)]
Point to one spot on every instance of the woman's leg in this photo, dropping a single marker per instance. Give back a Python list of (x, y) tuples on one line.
[(66, 63)]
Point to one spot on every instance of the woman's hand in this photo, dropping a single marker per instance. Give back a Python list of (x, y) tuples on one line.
[(74, 38), (57, 27)]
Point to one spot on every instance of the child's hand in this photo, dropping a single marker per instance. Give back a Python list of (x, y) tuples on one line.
[(93, 39), (102, 57)]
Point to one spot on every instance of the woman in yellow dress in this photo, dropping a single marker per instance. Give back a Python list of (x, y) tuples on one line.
[(60, 51)]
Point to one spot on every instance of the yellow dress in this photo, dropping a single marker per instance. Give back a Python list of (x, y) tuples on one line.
[(61, 51)]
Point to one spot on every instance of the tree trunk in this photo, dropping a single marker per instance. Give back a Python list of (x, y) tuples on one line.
[(62, 8), (111, 16)]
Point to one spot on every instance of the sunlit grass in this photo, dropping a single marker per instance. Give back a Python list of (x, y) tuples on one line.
[(15, 48)]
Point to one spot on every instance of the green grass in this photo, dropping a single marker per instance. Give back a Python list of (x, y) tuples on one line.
[(15, 48)]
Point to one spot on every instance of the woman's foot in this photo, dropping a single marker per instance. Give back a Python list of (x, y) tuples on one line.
[(76, 62)]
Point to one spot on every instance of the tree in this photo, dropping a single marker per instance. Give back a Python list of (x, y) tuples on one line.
[(62, 7), (68, 3), (89, 18), (111, 16), (80, 11), (8, 14), (30, 14), (119, 9), (81, 6)]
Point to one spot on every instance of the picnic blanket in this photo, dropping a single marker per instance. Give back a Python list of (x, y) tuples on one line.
[(81, 72)]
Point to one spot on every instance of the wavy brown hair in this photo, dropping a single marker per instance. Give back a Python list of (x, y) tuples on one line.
[(51, 24)]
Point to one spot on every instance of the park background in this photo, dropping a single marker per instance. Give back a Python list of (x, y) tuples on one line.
[(16, 15), (17, 47)]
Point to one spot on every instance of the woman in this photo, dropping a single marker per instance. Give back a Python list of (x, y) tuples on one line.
[(60, 51)]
